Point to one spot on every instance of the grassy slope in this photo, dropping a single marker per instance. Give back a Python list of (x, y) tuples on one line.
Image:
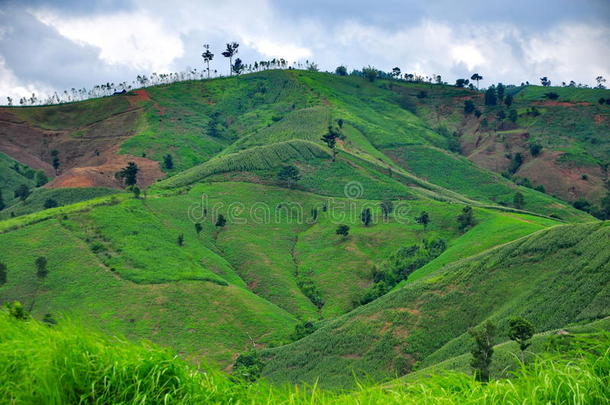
[(10, 178), (63, 196), (101, 369), (553, 278), (200, 319)]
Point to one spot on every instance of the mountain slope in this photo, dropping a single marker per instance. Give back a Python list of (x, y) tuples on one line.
[(553, 278)]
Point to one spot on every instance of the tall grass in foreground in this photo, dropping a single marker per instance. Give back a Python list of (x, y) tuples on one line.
[(66, 364)]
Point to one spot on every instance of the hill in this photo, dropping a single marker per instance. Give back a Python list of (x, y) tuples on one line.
[(231, 241), (426, 321)]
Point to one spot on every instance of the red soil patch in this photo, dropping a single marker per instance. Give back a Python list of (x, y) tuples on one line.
[(553, 103), (599, 119), (142, 95), (87, 160)]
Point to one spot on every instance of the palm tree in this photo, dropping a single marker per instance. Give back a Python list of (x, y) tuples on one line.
[(207, 57), (229, 53), (476, 77)]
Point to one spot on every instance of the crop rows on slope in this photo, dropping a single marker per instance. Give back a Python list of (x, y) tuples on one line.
[(261, 157)]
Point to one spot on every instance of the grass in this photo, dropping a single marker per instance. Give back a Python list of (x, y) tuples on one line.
[(565, 266), (100, 369), (73, 115), (62, 196)]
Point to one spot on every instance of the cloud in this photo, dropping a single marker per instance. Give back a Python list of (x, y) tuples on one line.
[(133, 39), (48, 45)]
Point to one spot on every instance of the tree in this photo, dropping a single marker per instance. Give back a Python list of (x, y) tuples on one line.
[(136, 191), (238, 67), (303, 329), (16, 310), (168, 162), (500, 91), (545, 81), (41, 267), (396, 72), (370, 73), (469, 107), (518, 200), (248, 365), (330, 139), (229, 53), (2, 203), (515, 163), (207, 57), (55, 160), (129, 174), (535, 149), (289, 175), (508, 100), (198, 228), (461, 83), (600, 82), (366, 216), (22, 192), (342, 230), (221, 221), (180, 240), (423, 219), (466, 219), (513, 115), (41, 178), (521, 331), (50, 203), (490, 96), (3, 273), (341, 71), (476, 77), (483, 350), (386, 208)]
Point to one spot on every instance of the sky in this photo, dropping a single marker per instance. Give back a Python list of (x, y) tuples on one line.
[(48, 46)]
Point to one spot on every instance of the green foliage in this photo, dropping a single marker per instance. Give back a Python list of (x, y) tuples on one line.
[(466, 219), (41, 267), (483, 351), (515, 163), (423, 219), (521, 331), (22, 192), (309, 289), (180, 240), (341, 70), (366, 217), (129, 174), (3, 273), (289, 175), (302, 329), (518, 200), (16, 311), (221, 221), (342, 230), (535, 149), (490, 96), (248, 366), (469, 107), (370, 73), (168, 162)]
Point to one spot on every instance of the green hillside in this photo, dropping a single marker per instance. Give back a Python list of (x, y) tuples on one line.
[(566, 266), (232, 237)]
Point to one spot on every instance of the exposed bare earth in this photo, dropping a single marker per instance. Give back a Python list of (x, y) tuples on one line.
[(88, 155)]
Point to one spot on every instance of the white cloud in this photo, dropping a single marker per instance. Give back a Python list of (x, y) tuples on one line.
[(11, 85), (135, 39)]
